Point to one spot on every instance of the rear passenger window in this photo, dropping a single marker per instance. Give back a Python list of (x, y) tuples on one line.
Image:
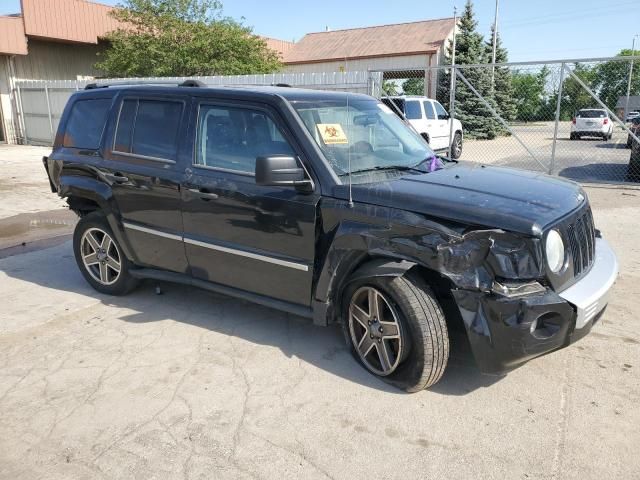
[(412, 110), (86, 123), (232, 138), (148, 128)]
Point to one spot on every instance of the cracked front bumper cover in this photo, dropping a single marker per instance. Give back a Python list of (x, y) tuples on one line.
[(506, 332)]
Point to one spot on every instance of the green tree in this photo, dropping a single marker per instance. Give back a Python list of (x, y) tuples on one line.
[(182, 38), (477, 120), (413, 86), (574, 96), (529, 94), (502, 87), (610, 79), (390, 88)]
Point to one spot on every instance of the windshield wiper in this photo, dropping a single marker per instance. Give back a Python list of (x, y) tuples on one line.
[(378, 168)]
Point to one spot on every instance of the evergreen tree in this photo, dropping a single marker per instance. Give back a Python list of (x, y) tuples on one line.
[(503, 92), (477, 120), (413, 86)]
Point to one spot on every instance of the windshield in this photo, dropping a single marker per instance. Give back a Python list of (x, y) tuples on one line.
[(365, 133), (592, 114)]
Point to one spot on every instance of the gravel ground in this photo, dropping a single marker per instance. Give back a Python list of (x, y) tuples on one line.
[(188, 384)]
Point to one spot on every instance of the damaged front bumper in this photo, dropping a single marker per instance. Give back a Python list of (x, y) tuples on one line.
[(506, 332)]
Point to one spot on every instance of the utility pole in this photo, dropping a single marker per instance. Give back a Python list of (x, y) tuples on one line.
[(495, 42), (626, 104)]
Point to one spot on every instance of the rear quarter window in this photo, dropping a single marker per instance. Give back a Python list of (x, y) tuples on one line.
[(86, 123)]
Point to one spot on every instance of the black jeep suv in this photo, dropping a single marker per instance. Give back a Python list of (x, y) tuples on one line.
[(328, 206)]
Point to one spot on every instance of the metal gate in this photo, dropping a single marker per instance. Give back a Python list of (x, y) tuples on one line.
[(523, 114)]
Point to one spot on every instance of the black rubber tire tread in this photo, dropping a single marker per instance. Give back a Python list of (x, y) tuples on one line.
[(425, 311), (425, 325), (126, 282), (456, 136)]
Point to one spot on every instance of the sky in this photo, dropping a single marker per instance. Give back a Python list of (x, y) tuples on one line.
[(531, 30)]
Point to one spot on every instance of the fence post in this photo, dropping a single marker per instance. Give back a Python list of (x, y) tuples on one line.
[(23, 124), (555, 128), (452, 106), (46, 93)]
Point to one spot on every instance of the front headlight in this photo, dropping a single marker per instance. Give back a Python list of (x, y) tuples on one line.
[(554, 249)]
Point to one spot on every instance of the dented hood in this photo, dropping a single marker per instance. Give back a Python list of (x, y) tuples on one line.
[(473, 194)]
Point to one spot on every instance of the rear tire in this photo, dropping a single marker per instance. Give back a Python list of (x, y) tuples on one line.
[(418, 358), (100, 258), (574, 136)]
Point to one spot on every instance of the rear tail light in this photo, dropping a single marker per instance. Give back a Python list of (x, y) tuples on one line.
[(573, 121), (606, 120)]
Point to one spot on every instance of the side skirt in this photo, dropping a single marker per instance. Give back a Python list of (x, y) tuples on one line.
[(154, 274)]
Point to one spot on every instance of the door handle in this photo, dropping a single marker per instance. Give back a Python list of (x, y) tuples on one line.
[(116, 177), (203, 194)]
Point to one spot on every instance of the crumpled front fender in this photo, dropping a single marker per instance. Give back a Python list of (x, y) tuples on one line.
[(471, 260)]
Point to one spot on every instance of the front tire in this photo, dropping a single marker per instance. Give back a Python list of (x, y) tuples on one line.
[(456, 146), (99, 257), (396, 329)]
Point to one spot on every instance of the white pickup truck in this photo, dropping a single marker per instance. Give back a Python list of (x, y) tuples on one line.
[(430, 119)]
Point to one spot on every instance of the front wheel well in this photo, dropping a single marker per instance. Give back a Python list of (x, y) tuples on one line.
[(442, 288), (82, 206), (440, 285)]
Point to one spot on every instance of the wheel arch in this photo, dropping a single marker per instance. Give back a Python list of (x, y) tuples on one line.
[(359, 265), (86, 195)]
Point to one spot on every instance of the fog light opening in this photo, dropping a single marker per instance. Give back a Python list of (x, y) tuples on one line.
[(546, 325)]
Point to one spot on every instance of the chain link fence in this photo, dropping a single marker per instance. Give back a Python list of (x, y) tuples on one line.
[(565, 118), (569, 119), (41, 102)]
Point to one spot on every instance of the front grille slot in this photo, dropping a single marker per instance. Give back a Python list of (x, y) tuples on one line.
[(582, 242)]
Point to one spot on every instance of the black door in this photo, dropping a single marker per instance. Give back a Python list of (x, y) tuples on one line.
[(142, 163), (255, 238)]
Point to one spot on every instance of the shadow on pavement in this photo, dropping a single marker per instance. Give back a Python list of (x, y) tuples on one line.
[(596, 172), (614, 146), (294, 336)]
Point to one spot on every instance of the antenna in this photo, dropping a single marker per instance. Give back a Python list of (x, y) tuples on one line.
[(348, 146), (349, 156)]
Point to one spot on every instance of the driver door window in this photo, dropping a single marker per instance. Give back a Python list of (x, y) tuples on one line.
[(232, 138)]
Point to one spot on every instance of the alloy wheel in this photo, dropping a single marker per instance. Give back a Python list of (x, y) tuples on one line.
[(100, 256), (375, 331), (457, 146)]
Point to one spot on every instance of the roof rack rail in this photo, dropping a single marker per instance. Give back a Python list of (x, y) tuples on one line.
[(186, 83)]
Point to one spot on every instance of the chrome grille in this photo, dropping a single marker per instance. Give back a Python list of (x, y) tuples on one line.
[(582, 242)]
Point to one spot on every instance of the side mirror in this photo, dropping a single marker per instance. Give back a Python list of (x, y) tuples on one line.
[(280, 170), (444, 116)]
